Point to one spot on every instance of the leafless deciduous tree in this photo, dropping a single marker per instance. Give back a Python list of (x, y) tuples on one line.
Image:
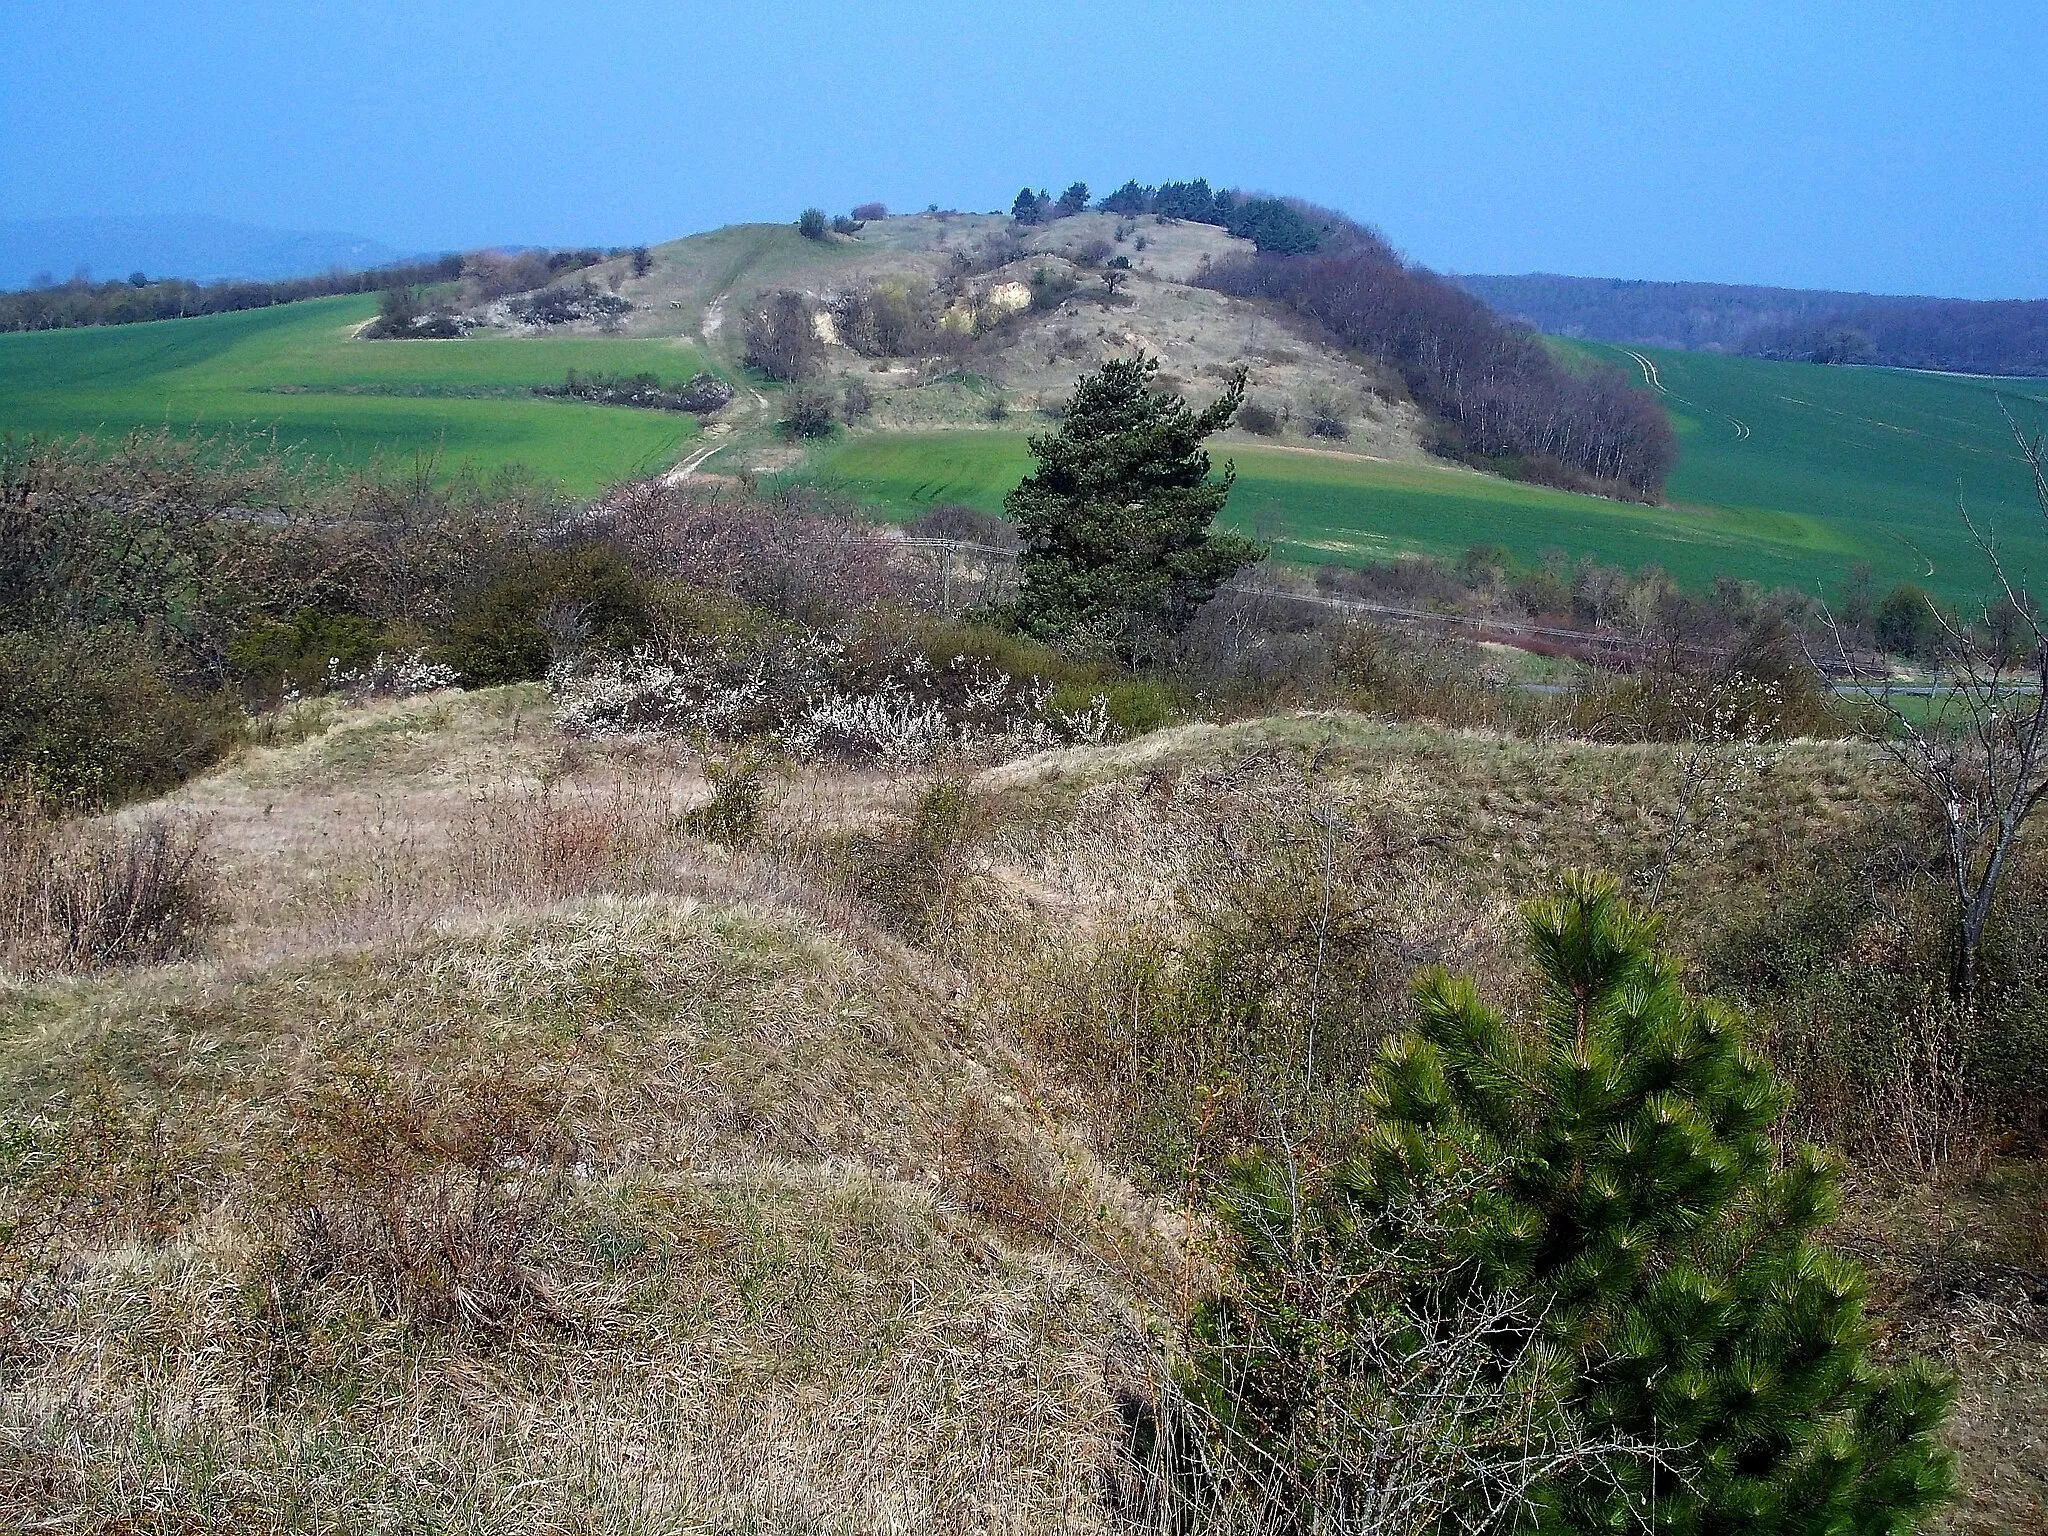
[(1979, 753), (782, 339)]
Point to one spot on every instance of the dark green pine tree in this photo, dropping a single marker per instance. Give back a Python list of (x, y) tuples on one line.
[(1117, 522), (1613, 1163)]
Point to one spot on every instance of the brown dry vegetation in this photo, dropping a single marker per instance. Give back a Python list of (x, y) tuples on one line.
[(512, 1158)]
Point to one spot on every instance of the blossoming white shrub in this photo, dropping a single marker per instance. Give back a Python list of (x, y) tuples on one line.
[(390, 677), (813, 697)]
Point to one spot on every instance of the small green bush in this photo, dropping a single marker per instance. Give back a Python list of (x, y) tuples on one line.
[(907, 874), (271, 656), (732, 816), (93, 718), (1140, 706), (548, 602)]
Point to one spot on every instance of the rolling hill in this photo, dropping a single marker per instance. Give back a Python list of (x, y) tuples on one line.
[(1987, 336), (1788, 474)]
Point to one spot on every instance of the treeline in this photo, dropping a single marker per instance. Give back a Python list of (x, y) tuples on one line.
[(2001, 336), (1655, 616), (1498, 396), (1954, 335), (1268, 222), (139, 297), (136, 298)]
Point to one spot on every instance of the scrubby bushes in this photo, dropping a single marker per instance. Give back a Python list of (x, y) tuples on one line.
[(149, 590), (1261, 420), (566, 303), (807, 411), (896, 317), (702, 394), (97, 716), (404, 314), (275, 656), (88, 897), (782, 339), (546, 607)]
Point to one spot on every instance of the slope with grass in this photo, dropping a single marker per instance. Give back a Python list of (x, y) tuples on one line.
[(1788, 475), (1337, 508), (513, 1160), (1880, 456), (297, 371)]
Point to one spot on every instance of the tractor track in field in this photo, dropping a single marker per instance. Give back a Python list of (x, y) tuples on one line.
[(1656, 382)]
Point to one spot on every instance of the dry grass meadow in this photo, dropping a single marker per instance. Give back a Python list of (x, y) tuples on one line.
[(512, 1158)]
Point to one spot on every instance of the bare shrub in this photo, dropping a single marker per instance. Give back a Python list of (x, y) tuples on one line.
[(952, 520), (557, 840), (85, 899), (782, 339), (1393, 1414), (807, 411), (1926, 1118), (856, 402), (784, 553), (494, 274), (866, 211), (1324, 416), (425, 1196)]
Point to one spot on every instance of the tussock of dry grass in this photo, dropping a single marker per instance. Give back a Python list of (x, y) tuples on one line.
[(764, 1264)]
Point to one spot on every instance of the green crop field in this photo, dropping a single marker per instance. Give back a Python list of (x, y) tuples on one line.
[(1327, 507), (296, 371), (1836, 467), (1877, 455)]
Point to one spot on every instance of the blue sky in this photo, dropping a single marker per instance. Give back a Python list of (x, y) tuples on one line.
[(1883, 146)]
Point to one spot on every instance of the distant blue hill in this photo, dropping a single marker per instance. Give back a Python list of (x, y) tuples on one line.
[(184, 246), (1987, 336)]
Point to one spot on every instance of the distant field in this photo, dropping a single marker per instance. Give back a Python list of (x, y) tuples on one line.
[(294, 370), (1877, 456), (1789, 474), (1837, 466), (1334, 508)]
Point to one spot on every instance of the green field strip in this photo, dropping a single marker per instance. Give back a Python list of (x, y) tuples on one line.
[(1346, 509), (295, 371)]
